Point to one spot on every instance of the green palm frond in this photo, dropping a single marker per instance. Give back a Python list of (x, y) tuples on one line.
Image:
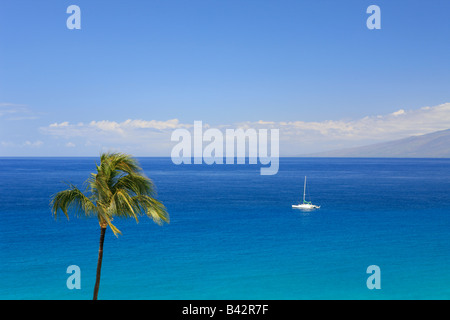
[(114, 162), (105, 219), (121, 205), (135, 184), (151, 207), (119, 188), (74, 200)]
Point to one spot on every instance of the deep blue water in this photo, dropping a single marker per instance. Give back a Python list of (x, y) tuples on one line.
[(233, 233)]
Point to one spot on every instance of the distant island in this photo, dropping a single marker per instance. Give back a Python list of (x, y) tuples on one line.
[(431, 145)]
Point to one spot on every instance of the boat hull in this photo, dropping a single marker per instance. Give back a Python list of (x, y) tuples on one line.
[(305, 206)]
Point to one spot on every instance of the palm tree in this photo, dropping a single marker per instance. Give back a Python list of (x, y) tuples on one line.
[(118, 189)]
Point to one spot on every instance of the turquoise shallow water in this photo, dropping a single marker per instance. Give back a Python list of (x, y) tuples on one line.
[(233, 233)]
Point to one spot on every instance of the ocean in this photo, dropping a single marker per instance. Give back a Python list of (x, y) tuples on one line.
[(233, 234)]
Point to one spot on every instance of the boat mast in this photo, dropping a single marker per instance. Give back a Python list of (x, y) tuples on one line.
[(304, 191)]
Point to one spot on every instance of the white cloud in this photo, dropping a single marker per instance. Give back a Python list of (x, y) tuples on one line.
[(59, 125), (7, 108), (35, 144), (399, 112), (17, 112), (296, 137), (136, 136), (106, 126), (301, 137), (396, 125), (153, 124), (6, 144)]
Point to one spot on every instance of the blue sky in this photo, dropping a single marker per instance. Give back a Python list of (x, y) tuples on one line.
[(227, 63)]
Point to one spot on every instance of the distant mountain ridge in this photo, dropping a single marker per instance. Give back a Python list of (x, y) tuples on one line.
[(431, 145)]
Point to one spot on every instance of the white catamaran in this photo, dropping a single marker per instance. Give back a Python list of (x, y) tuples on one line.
[(306, 205)]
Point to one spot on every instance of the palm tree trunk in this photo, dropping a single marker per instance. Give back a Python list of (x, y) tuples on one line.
[(99, 263)]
